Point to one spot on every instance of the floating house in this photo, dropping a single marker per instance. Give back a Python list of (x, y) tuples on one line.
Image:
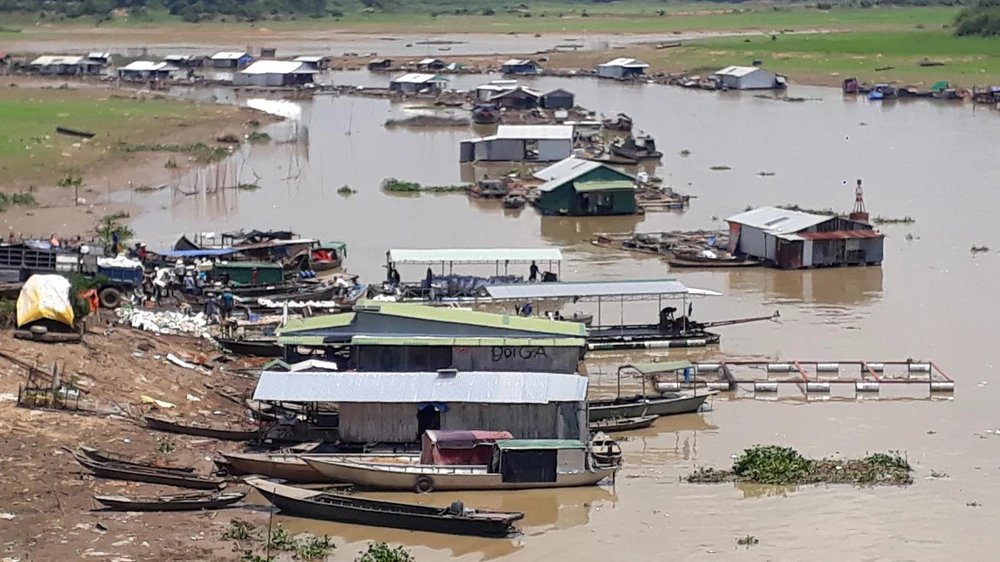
[(559, 99), (521, 67), (65, 65), (794, 240), (229, 59), (749, 78), (185, 61), (493, 88), (380, 64), (414, 83), (314, 62), (422, 353), (142, 70), (431, 64), (103, 58), (577, 187), (520, 143), (518, 98), (398, 408), (622, 69), (274, 73)]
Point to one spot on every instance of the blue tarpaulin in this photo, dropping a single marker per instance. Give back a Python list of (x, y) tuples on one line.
[(196, 253)]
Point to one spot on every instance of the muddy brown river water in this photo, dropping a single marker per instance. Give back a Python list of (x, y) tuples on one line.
[(931, 299)]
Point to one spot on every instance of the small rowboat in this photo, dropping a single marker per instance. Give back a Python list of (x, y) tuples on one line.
[(615, 425), (116, 471), (160, 424), (103, 456), (75, 132), (179, 502), (454, 520)]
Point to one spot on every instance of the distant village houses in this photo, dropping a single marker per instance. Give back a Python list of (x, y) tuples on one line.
[(749, 78), (578, 187), (622, 69), (520, 143), (230, 59), (416, 82), (275, 73), (521, 67), (141, 70)]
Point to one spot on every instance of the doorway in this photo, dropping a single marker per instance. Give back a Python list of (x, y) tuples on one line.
[(428, 417)]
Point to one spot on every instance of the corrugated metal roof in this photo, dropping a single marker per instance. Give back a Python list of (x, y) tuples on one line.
[(418, 78), (475, 255), (178, 58), (277, 67), (625, 62), (563, 290), (228, 55), (841, 235), (316, 323), (778, 221), (47, 60), (738, 71), (410, 388), (610, 185), (567, 169), (506, 92), (99, 55), (535, 132), (510, 444), (147, 66), (468, 342), (313, 341), (661, 367), (519, 62), (484, 319), (430, 61), (309, 58)]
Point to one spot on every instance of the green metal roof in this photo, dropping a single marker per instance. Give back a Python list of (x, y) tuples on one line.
[(276, 363), (484, 319), (938, 86), (339, 246), (522, 444), (468, 342), (301, 340), (661, 367), (614, 185), (316, 323)]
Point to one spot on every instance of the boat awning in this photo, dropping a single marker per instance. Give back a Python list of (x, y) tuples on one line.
[(203, 253), (592, 290), (413, 388), (660, 367), (475, 256)]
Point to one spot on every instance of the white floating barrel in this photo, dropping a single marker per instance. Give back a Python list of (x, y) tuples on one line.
[(942, 386), (827, 367), (877, 367), (723, 386), (668, 386), (778, 367), (765, 387), (707, 367), (918, 367), (817, 386), (867, 386)]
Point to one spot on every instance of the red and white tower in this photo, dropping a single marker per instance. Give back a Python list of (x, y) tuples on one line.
[(859, 213)]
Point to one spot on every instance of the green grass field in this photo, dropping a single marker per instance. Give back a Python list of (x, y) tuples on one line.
[(30, 147), (826, 58)]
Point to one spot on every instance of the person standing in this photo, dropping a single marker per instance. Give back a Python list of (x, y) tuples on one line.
[(533, 272), (228, 304), (253, 276)]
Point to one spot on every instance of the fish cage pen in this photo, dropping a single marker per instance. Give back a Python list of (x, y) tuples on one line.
[(765, 378)]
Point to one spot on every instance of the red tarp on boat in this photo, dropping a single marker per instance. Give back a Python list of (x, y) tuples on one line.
[(459, 447)]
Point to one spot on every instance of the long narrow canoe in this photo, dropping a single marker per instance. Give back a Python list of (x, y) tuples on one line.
[(104, 456), (293, 467), (178, 502), (160, 424), (131, 473), (454, 520)]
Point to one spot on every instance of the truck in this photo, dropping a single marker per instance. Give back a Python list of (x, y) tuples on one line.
[(18, 262)]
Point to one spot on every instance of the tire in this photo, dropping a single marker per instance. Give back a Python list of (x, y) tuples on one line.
[(424, 485), (110, 297)]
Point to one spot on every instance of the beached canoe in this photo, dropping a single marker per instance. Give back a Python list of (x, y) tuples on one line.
[(177, 502), (132, 473), (454, 520), (104, 456), (160, 424), (293, 467)]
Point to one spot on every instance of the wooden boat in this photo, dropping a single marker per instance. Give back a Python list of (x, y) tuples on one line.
[(485, 114), (160, 424), (325, 257), (605, 450), (293, 467), (103, 456), (75, 132), (132, 473), (729, 263), (615, 425), (252, 348), (177, 502), (666, 404), (454, 520), (504, 472)]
